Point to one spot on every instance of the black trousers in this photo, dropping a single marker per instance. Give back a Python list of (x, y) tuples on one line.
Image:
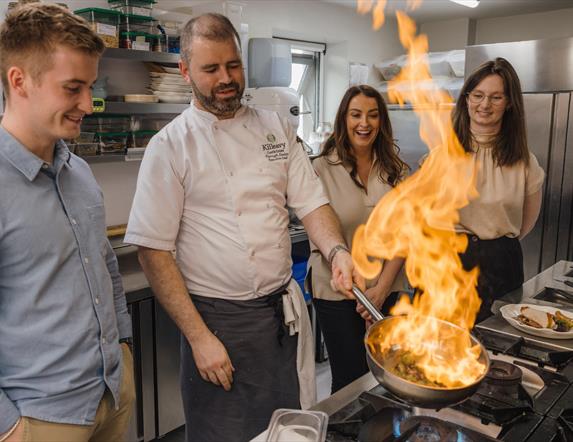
[(344, 330), (501, 268), (265, 377)]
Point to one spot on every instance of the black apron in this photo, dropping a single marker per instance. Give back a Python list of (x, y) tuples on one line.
[(501, 268), (265, 377)]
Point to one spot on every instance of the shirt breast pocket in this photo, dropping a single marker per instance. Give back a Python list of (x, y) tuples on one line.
[(97, 226)]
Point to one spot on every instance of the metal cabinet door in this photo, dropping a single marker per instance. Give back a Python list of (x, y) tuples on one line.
[(142, 425), (538, 120), (169, 405)]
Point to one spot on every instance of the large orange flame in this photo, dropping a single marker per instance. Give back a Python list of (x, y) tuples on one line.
[(416, 221)]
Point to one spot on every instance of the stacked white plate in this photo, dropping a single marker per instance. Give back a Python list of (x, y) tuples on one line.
[(170, 87)]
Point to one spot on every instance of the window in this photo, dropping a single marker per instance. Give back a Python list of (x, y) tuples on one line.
[(307, 80)]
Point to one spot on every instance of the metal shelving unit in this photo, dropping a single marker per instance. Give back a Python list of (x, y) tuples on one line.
[(131, 54), (114, 107)]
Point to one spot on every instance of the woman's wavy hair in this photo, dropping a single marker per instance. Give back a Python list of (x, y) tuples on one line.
[(390, 167), (510, 144)]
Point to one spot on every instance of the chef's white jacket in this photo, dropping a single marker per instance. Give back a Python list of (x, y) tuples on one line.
[(217, 191)]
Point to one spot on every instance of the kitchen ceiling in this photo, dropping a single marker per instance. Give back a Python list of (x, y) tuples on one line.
[(437, 10)]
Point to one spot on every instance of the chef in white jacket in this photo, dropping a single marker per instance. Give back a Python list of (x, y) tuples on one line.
[(214, 186)]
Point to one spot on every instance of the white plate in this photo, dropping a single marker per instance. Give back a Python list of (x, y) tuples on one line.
[(511, 311), (171, 88), (171, 70)]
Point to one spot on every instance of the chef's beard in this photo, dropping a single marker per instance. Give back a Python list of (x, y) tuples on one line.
[(217, 106)]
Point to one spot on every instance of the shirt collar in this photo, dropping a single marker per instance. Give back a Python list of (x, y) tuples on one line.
[(24, 160)]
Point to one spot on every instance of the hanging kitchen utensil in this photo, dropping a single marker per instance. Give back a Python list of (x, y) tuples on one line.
[(411, 392)]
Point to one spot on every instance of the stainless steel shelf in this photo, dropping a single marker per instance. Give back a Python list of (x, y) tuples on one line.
[(114, 107), (97, 159), (131, 54)]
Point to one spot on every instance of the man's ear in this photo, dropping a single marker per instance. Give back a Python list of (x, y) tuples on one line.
[(18, 80), (184, 69)]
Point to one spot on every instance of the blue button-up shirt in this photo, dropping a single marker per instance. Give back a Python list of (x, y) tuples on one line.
[(62, 305)]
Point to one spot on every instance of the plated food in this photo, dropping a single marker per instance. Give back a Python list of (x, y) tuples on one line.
[(540, 320)]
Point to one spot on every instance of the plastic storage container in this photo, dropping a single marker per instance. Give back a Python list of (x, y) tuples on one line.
[(135, 7), (140, 138), (113, 142), (138, 23), (107, 124), (86, 149), (297, 426), (104, 22)]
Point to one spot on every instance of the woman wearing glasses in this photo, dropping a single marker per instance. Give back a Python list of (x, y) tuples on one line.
[(489, 122)]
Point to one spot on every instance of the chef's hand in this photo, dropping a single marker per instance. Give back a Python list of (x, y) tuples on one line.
[(17, 435), (212, 360), (377, 296), (344, 274)]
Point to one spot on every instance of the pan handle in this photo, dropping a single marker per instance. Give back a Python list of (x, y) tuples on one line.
[(362, 299)]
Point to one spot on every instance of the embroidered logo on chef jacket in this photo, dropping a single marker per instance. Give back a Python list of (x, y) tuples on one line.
[(274, 151)]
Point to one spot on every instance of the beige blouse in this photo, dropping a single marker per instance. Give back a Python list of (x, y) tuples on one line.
[(353, 207), (498, 210)]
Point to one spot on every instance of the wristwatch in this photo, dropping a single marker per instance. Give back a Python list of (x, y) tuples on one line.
[(337, 248)]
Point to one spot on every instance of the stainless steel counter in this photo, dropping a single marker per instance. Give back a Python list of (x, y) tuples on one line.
[(534, 291)]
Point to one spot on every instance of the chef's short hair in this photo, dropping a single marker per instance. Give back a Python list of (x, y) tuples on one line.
[(211, 26), (32, 32)]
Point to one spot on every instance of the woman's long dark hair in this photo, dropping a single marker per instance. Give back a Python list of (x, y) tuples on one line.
[(510, 145), (385, 151)]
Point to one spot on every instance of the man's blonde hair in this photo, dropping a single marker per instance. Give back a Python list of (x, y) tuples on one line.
[(32, 32)]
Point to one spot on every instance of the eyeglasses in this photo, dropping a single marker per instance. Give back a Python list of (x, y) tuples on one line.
[(478, 97)]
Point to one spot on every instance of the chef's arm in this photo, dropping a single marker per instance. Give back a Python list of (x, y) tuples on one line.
[(119, 301), (323, 229), (531, 209), (390, 269), (9, 414), (169, 289)]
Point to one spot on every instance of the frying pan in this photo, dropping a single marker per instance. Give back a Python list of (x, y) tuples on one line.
[(411, 392)]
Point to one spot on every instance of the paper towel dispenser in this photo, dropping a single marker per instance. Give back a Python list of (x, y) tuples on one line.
[(269, 63)]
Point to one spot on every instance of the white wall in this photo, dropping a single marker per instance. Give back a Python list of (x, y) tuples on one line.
[(446, 35), (454, 34), (348, 35)]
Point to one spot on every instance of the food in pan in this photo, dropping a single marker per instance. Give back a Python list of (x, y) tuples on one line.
[(405, 365), (540, 319)]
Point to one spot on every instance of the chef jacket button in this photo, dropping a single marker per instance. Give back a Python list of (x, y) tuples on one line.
[(74, 222), (252, 253), (96, 300), (103, 340), (230, 173), (86, 260), (215, 127), (239, 213)]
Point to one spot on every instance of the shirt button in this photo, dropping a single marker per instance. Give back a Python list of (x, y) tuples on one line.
[(252, 253), (96, 300), (215, 127), (74, 221), (239, 213), (44, 166), (230, 173), (103, 340), (86, 260)]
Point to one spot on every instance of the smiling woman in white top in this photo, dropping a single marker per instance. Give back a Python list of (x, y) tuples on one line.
[(489, 122), (358, 165)]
